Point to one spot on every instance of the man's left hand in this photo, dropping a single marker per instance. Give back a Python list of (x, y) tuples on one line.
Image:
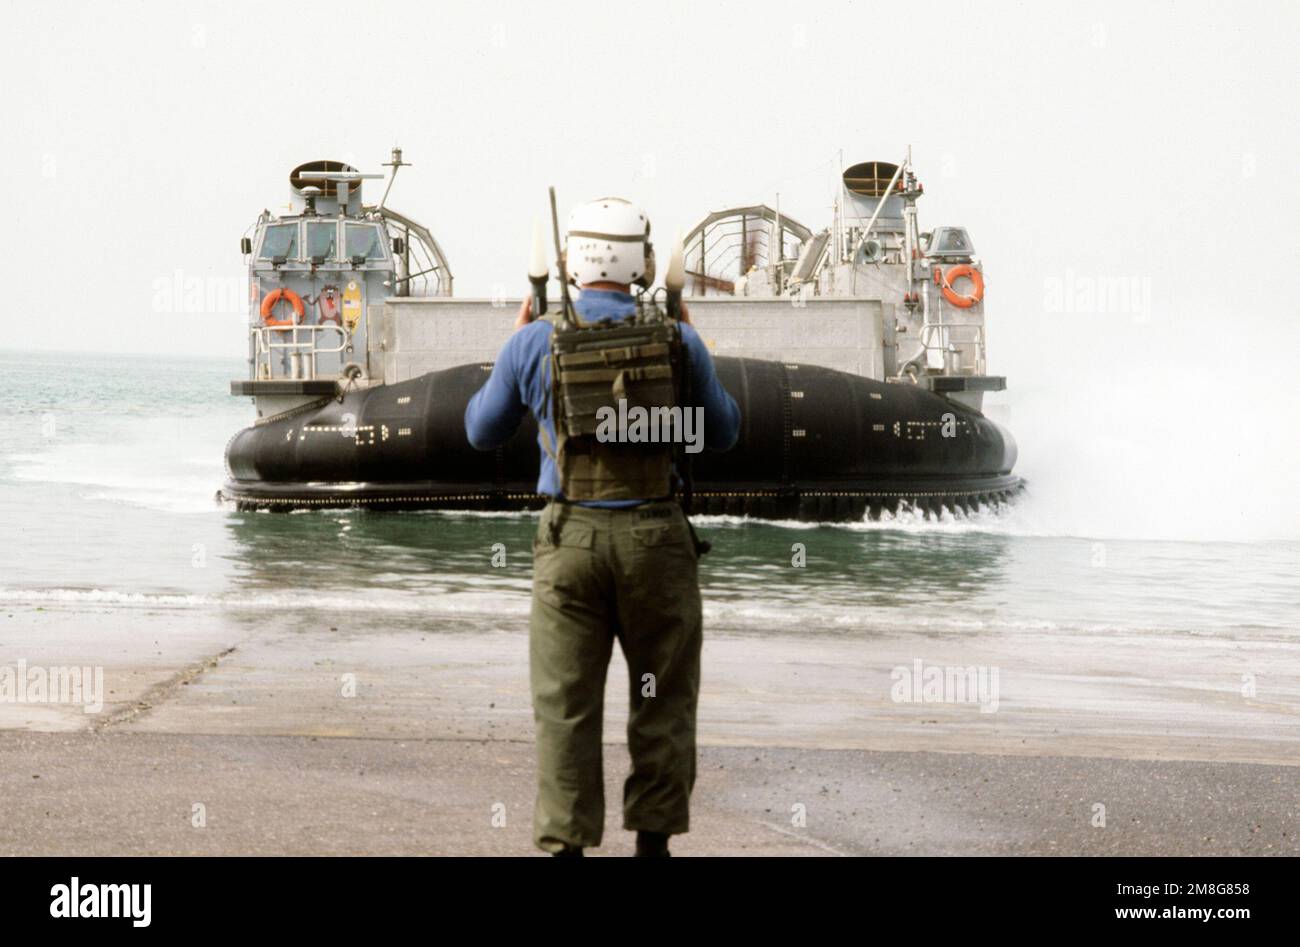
[(525, 313)]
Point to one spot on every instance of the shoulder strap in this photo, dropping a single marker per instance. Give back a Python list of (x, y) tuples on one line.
[(544, 436)]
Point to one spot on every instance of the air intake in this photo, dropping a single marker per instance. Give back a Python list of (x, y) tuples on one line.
[(870, 178)]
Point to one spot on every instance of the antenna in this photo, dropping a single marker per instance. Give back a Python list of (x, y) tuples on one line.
[(775, 236), (396, 163), (537, 271), (839, 219), (559, 261)]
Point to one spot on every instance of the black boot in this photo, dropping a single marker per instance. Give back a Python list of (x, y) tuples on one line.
[(569, 851), (652, 845)]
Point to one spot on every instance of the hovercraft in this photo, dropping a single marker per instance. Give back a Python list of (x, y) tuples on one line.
[(856, 355)]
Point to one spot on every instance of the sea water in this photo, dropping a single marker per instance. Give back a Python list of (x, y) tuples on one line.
[(110, 466)]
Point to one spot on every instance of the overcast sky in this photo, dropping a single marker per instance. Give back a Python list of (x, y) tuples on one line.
[(1128, 172), (1147, 141)]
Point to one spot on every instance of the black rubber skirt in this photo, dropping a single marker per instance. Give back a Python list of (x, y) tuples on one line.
[(815, 444)]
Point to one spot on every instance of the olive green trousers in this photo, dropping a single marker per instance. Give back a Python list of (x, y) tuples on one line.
[(601, 574)]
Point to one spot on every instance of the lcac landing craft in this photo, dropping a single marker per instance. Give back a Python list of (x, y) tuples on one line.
[(856, 354)]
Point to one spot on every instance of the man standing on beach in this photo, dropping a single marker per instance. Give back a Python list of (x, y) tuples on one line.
[(622, 568)]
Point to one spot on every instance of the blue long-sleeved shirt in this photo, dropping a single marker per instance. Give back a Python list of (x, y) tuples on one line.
[(521, 382)]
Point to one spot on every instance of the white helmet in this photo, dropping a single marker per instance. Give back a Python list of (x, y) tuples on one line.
[(609, 240)]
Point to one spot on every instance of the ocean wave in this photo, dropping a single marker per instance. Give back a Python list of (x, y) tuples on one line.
[(172, 463), (444, 603), (1010, 519), (751, 616)]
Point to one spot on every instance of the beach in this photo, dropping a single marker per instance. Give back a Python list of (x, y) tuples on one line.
[(804, 750)]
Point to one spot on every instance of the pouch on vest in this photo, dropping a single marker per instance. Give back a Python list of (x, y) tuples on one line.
[(594, 367)]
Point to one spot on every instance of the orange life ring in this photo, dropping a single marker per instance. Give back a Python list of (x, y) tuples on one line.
[(945, 280), (268, 307)]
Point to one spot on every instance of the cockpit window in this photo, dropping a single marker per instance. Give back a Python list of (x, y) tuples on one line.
[(322, 240), (280, 240), (365, 240), (953, 241)]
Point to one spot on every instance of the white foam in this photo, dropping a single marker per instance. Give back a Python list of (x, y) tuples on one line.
[(443, 603), (1020, 517), (172, 463)]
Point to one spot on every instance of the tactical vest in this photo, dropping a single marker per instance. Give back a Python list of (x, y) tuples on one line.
[(594, 366)]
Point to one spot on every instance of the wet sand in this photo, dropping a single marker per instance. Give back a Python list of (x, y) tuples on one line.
[(249, 715)]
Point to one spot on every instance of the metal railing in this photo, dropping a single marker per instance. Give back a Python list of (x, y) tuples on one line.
[(722, 247), (422, 268), (297, 348), (939, 337)]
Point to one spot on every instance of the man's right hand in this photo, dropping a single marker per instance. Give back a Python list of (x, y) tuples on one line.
[(525, 313)]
